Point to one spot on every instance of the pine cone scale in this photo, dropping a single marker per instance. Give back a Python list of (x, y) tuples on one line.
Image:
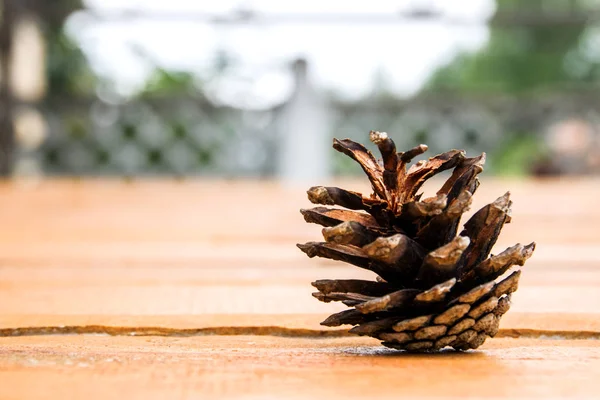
[(366, 160), (368, 288), (483, 228), (418, 174), (436, 293), (464, 176), (331, 216), (395, 300), (372, 327)]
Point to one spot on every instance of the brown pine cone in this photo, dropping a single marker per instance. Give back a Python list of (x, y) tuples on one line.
[(434, 288)]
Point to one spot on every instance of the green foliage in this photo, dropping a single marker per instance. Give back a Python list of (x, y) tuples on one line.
[(165, 82), (516, 155), (76, 127), (523, 58), (67, 68)]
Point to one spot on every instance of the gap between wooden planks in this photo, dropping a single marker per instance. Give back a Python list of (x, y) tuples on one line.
[(271, 330)]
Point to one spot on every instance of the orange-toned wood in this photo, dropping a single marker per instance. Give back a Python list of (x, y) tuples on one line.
[(165, 254), (259, 367)]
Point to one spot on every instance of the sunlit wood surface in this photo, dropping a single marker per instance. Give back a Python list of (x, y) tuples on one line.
[(195, 289)]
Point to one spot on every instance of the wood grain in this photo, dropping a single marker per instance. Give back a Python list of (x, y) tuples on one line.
[(215, 254)]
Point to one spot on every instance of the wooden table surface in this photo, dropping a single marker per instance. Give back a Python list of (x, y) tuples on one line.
[(195, 289)]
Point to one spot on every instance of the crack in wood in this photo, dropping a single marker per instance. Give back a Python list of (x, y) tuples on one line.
[(259, 331), (173, 332)]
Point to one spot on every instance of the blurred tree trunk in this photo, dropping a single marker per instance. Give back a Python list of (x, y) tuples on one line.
[(6, 97)]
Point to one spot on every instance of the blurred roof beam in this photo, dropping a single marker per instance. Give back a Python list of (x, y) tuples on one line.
[(247, 16)]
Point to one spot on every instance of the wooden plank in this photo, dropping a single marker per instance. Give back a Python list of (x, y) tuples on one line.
[(105, 292), (215, 367)]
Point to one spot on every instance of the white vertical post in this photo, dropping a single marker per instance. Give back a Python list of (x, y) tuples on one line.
[(304, 141)]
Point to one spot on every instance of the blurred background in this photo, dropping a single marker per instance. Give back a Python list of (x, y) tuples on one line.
[(259, 88), (230, 108)]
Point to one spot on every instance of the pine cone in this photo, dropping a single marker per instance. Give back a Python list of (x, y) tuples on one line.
[(434, 288)]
